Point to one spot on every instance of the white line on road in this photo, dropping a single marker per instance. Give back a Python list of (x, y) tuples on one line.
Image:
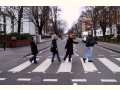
[(21, 66), (89, 67), (65, 66), (76, 54), (50, 80), (75, 83), (1, 79), (24, 79), (110, 65), (79, 80), (43, 66), (108, 80), (117, 59)]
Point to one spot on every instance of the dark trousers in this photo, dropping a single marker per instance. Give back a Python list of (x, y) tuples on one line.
[(68, 54), (34, 58), (55, 53)]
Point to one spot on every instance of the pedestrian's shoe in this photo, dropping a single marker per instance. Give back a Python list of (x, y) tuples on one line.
[(52, 61), (84, 59), (35, 62), (59, 60), (30, 60), (90, 61), (69, 60)]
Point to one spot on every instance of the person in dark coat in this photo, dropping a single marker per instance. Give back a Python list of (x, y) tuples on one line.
[(69, 47), (89, 43), (34, 51), (54, 48)]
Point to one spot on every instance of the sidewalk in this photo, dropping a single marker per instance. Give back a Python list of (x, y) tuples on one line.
[(110, 46), (22, 51)]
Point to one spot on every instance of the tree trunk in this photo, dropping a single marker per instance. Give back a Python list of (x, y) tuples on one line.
[(4, 28), (12, 24), (20, 15)]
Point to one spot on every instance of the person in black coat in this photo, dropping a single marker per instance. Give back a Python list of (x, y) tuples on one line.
[(54, 49), (69, 47), (34, 51)]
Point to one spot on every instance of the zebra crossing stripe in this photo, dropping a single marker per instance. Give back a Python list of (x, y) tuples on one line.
[(76, 54), (21, 67), (43, 66), (65, 66), (117, 59), (89, 67), (1, 79), (110, 65)]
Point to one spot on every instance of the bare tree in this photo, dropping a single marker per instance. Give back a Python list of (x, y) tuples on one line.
[(20, 15)]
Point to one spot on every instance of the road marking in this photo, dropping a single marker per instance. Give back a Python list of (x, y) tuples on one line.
[(24, 79), (21, 66), (43, 66), (65, 66), (108, 80), (1, 79), (110, 65), (75, 83), (79, 80), (89, 67), (50, 80), (117, 59), (76, 54)]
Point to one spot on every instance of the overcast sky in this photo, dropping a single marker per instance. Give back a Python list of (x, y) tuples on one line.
[(70, 14)]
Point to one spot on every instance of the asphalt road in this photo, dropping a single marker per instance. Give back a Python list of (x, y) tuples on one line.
[(104, 70)]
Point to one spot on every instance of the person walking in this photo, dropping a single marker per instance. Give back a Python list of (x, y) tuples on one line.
[(54, 48), (89, 43), (34, 51), (69, 47)]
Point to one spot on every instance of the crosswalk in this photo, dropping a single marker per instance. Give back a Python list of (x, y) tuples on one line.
[(66, 66)]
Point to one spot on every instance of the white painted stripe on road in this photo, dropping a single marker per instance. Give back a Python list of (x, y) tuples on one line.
[(1, 79), (79, 80), (65, 66), (20, 67), (75, 84), (76, 54), (43, 66), (89, 67), (108, 80), (24, 79), (110, 65), (50, 80), (117, 59)]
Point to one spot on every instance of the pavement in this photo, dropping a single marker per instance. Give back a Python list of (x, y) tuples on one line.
[(21, 52)]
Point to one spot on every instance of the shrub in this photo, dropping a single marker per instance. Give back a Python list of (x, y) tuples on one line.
[(25, 36)]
